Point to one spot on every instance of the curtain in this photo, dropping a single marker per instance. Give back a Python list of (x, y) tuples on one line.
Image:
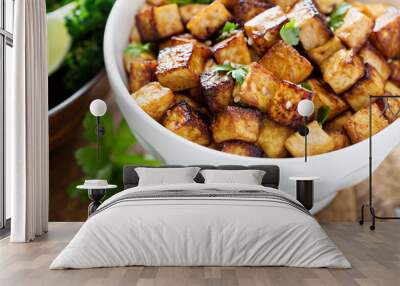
[(27, 124)]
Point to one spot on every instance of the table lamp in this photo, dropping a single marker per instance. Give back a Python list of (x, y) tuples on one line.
[(305, 108), (98, 108)]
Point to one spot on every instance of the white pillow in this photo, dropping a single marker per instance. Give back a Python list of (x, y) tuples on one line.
[(246, 177), (166, 176)]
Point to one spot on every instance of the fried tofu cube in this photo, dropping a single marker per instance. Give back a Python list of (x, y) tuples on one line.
[(395, 69), (372, 10), (209, 20), (272, 139), (283, 106), (185, 122), (193, 104), (390, 107), (327, 6), (217, 88), (236, 123), (244, 10), (157, 2), (180, 67), (325, 97), (386, 33), (391, 88), (155, 23), (337, 123), (129, 58), (318, 142), (186, 39), (314, 30), (355, 30), (141, 73), (286, 63), (257, 88), (340, 139), (233, 50), (228, 3), (134, 36), (357, 127), (241, 148), (320, 54), (342, 70), (154, 99), (189, 11), (373, 57), (371, 84), (286, 5), (263, 30)]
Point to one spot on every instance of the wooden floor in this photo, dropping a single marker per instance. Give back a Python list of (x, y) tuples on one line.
[(375, 257)]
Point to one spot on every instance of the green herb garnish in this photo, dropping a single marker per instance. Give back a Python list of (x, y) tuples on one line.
[(290, 33), (323, 114), (336, 19), (136, 49), (306, 86), (227, 30), (185, 2), (238, 72)]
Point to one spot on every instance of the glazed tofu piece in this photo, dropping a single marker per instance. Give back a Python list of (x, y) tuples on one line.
[(236, 123), (390, 107), (209, 20), (320, 54), (323, 96), (134, 36), (241, 148), (217, 88), (372, 10), (193, 104), (185, 122), (314, 30), (229, 4), (327, 6), (355, 30), (155, 23), (386, 33), (285, 5), (188, 11), (340, 139), (373, 57), (342, 70), (258, 88), (154, 99), (233, 50), (263, 30), (129, 58), (286, 63), (391, 88), (318, 142), (357, 127), (283, 106), (338, 122), (141, 73), (371, 84), (244, 10), (395, 69), (272, 139), (180, 67)]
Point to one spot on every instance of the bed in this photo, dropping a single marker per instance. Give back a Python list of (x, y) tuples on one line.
[(201, 224)]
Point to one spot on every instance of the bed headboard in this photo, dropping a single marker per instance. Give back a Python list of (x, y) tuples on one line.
[(271, 178)]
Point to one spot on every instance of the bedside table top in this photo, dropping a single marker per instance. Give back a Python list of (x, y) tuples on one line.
[(304, 178)]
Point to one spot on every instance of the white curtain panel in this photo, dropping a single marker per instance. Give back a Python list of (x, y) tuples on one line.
[(27, 124)]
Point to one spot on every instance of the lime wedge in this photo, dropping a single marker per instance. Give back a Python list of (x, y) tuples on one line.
[(58, 39)]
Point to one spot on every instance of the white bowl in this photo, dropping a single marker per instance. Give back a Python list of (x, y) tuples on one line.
[(336, 170)]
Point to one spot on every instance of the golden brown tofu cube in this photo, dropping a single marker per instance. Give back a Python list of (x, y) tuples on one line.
[(155, 23), (236, 123), (263, 30), (372, 56), (233, 50), (186, 39), (355, 30), (340, 139), (154, 99), (283, 106), (157, 2), (286, 63), (189, 11), (372, 10), (129, 58), (386, 33), (371, 84), (244, 10), (286, 5), (323, 96), (241, 148), (320, 54), (184, 121), (217, 88), (327, 6), (141, 73), (134, 36), (357, 127), (314, 30), (395, 68), (228, 3), (193, 104), (209, 20), (338, 122), (272, 139), (342, 70), (180, 67), (318, 142), (257, 89), (391, 88), (390, 107)]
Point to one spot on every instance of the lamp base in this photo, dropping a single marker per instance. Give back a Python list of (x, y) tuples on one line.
[(303, 130), (373, 216)]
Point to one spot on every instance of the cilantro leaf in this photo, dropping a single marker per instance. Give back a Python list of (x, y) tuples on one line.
[(290, 33), (323, 114), (136, 49), (336, 19), (184, 2), (306, 86), (238, 72), (227, 30)]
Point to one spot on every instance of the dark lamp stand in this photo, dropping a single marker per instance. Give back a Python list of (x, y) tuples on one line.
[(303, 131)]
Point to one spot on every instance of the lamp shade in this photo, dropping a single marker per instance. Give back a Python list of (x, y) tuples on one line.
[(305, 108), (98, 107)]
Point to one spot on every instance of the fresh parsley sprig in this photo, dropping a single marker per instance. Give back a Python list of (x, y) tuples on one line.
[(323, 114), (238, 72), (185, 2), (336, 19), (227, 30), (306, 86), (136, 49), (290, 33)]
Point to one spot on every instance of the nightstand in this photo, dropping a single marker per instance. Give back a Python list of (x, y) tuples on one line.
[(96, 190), (305, 190)]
